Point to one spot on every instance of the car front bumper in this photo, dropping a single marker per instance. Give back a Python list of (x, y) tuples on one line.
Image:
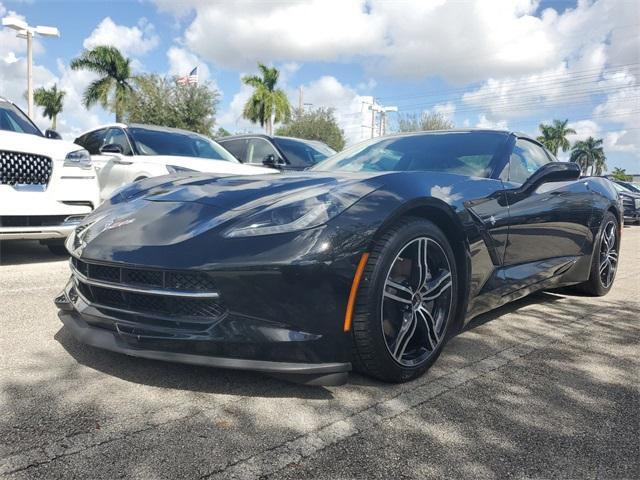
[(57, 232), (310, 374), (286, 320)]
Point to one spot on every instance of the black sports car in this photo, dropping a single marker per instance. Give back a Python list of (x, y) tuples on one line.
[(371, 260)]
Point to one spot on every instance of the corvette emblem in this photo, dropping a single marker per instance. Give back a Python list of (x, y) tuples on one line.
[(111, 224)]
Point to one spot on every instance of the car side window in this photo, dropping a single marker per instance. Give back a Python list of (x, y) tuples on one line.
[(92, 141), (526, 158), (258, 149), (116, 136), (234, 147)]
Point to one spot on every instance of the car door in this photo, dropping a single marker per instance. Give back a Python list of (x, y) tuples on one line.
[(258, 150), (550, 222), (121, 168), (93, 142), (236, 147)]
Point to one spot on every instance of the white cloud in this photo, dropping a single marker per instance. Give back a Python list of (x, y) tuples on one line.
[(136, 40), (237, 34), (232, 119), (447, 110), (484, 122), (461, 41), (349, 109)]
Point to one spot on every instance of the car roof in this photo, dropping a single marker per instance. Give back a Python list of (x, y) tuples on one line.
[(156, 128)]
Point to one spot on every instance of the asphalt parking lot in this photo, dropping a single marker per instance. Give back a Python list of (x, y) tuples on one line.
[(548, 387)]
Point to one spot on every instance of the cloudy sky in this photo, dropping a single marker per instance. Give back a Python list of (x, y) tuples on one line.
[(483, 63)]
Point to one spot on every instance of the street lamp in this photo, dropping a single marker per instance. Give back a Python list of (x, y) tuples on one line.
[(27, 31)]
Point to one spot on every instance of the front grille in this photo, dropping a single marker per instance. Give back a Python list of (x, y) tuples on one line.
[(166, 279), (175, 300), (151, 304), (18, 168)]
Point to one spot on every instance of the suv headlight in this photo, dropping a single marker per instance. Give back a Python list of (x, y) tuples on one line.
[(637, 203), (79, 158), (296, 212), (178, 169)]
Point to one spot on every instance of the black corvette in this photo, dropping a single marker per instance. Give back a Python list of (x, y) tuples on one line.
[(371, 260)]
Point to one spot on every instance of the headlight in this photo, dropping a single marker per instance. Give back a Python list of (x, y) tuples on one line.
[(637, 202), (296, 212), (178, 169), (79, 158)]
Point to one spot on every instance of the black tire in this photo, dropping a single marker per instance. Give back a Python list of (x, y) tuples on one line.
[(596, 286), (371, 351), (58, 249)]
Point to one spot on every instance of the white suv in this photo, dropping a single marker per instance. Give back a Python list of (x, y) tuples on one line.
[(46, 185), (125, 153)]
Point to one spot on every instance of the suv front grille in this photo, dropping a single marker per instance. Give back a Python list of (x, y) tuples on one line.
[(18, 168)]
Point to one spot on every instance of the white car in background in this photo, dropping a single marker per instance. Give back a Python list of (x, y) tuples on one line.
[(125, 153), (47, 186)]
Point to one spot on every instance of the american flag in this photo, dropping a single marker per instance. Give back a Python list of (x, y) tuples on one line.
[(191, 79)]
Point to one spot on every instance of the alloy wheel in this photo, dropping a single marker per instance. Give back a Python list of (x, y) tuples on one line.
[(416, 301), (608, 255)]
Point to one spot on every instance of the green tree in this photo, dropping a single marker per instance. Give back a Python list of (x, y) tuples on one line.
[(268, 105), (621, 174), (115, 85), (222, 132), (159, 100), (589, 154), (411, 122), (554, 136), (51, 100), (319, 124)]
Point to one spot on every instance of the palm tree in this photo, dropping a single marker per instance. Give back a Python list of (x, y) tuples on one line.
[(268, 104), (113, 88), (589, 153), (554, 136), (51, 101), (621, 174)]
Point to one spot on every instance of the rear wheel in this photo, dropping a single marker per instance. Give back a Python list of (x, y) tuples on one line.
[(605, 258), (406, 302)]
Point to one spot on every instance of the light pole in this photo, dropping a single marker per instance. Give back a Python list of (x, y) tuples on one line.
[(27, 31)]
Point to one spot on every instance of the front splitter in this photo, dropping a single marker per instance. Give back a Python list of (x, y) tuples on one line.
[(307, 373)]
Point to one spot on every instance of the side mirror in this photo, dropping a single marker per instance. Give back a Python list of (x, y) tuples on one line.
[(272, 162), (549, 172), (111, 148), (552, 172), (49, 133)]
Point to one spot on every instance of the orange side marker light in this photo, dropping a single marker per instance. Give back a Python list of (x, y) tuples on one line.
[(348, 317)]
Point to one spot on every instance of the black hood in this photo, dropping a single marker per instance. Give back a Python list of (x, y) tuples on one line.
[(192, 209), (245, 192)]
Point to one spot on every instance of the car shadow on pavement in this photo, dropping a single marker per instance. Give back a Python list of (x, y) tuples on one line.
[(184, 377), (26, 252), (237, 382)]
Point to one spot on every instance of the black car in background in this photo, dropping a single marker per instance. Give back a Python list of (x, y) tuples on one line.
[(630, 202), (371, 259), (284, 153)]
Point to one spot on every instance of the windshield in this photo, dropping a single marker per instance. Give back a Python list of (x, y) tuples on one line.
[(630, 186), (621, 188), (13, 120), (181, 144), (463, 153), (303, 152)]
